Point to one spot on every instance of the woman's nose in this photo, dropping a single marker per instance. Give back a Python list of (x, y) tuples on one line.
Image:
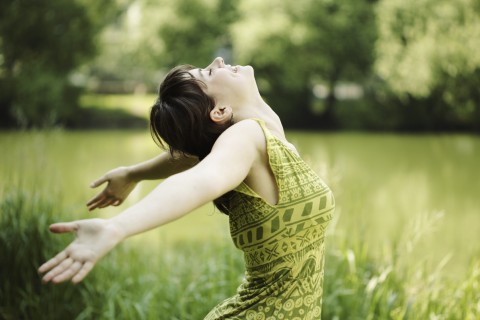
[(218, 62)]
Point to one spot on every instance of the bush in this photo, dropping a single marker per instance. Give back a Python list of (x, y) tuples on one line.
[(24, 245), (42, 99)]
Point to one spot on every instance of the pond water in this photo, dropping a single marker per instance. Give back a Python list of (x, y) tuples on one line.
[(417, 194)]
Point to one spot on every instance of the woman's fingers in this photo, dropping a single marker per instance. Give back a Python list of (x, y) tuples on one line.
[(69, 269), (64, 227), (99, 197), (50, 264), (108, 202), (86, 268), (68, 273), (98, 182), (98, 203), (61, 261), (75, 262), (58, 270), (61, 268), (94, 204), (103, 200)]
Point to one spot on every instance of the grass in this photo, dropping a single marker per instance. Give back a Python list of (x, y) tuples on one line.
[(137, 105), (185, 280), (112, 111), (382, 250)]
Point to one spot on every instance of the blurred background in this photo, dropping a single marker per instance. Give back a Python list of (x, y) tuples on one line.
[(361, 65), (381, 98)]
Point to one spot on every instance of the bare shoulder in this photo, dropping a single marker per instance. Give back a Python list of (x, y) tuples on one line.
[(243, 134)]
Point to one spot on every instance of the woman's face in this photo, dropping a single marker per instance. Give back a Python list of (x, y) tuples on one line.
[(225, 83)]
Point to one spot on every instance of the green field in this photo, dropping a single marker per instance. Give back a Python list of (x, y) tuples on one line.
[(403, 244), (133, 104)]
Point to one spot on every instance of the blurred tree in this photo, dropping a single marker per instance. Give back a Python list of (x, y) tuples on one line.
[(128, 50), (293, 46), (196, 30), (154, 35), (427, 54), (297, 44), (41, 42)]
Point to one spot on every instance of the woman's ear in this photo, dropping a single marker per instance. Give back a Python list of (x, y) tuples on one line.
[(221, 115)]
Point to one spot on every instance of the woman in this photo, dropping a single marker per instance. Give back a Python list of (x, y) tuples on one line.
[(226, 144)]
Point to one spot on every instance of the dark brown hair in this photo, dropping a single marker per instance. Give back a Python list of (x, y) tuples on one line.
[(180, 118)]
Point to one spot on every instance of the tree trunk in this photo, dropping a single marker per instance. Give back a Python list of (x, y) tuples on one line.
[(327, 118)]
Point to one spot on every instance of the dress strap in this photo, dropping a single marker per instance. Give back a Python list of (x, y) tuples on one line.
[(243, 187), (262, 124)]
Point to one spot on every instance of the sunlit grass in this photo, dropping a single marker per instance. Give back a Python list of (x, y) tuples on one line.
[(398, 248), (137, 104), (186, 279)]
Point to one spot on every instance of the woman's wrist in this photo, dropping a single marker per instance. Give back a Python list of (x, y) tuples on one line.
[(118, 233), (132, 174)]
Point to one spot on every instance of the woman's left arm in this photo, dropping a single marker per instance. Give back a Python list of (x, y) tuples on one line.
[(222, 170)]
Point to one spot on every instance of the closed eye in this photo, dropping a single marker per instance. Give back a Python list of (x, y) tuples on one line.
[(210, 72)]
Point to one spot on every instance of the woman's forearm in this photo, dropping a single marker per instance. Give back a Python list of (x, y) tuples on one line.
[(160, 167), (173, 198)]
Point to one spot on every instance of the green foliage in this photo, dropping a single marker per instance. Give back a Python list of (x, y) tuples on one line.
[(195, 30), (40, 97), (295, 45), (112, 111), (425, 75), (152, 36), (28, 28), (422, 42), (24, 245), (41, 42), (415, 60), (426, 54), (136, 104)]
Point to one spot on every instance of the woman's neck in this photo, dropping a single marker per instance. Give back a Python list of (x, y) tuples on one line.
[(253, 109), (260, 110)]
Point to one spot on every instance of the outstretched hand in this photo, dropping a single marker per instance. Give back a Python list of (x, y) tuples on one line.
[(94, 238), (117, 190)]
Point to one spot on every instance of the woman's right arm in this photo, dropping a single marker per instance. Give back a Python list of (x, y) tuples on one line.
[(122, 180)]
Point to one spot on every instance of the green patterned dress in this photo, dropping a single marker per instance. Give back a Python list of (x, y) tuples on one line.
[(283, 244)]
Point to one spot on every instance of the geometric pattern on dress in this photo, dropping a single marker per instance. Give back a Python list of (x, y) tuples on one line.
[(283, 244)]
